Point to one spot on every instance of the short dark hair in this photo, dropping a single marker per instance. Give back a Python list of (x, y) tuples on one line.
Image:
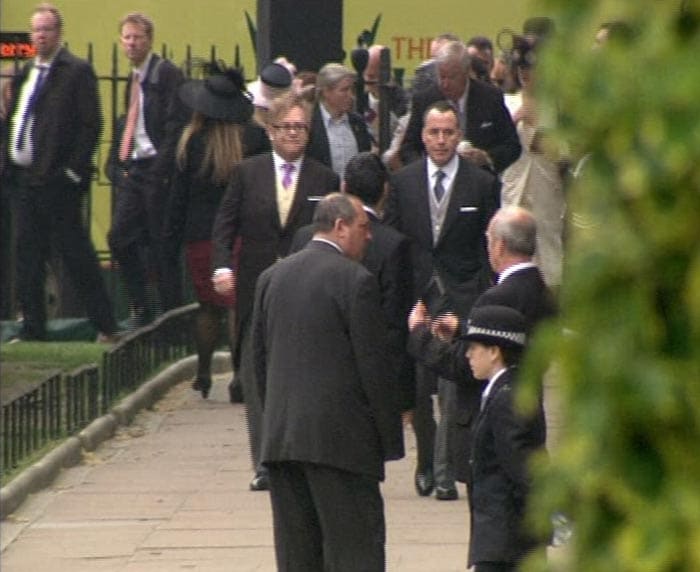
[(332, 207), (511, 355), (516, 227), (480, 43), (443, 106), (365, 176)]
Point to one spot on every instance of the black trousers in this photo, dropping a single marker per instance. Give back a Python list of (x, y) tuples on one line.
[(325, 519), (136, 237), (424, 425), (50, 216)]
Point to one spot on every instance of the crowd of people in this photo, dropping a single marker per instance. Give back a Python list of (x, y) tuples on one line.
[(354, 286)]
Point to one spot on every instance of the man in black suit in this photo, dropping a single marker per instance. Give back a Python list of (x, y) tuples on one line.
[(142, 161), (511, 239), (443, 204), (54, 126), (269, 197), (387, 257), (483, 117), (330, 419), (337, 133)]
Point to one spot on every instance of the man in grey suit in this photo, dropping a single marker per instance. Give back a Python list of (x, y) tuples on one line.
[(269, 197), (443, 204), (330, 418)]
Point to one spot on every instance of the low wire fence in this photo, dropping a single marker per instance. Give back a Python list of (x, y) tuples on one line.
[(65, 403)]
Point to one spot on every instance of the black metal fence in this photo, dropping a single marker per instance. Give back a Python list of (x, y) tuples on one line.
[(66, 403)]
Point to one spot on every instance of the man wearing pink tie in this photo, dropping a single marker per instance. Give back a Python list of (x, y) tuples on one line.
[(141, 162)]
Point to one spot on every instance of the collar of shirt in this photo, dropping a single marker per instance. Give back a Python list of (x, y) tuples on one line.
[(279, 161), (489, 387), (333, 244), (515, 268), (328, 119), (143, 68), (449, 168), (371, 211), (47, 63)]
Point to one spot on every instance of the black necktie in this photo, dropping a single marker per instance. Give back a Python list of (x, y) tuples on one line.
[(30, 104), (438, 189)]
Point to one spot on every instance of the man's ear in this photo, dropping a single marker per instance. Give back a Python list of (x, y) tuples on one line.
[(339, 226)]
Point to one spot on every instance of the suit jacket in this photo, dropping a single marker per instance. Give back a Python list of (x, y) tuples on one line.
[(489, 125), (318, 146), (459, 255), (249, 210), (499, 483), (67, 120), (164, 116), (388, 259), (523, 290), (327, 390)]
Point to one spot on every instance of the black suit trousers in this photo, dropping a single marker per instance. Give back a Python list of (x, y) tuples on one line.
[(50, 216), (136, 237), (326, 519)]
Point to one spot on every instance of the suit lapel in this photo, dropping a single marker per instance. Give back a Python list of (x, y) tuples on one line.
[(461, 190), (300, 194), (268, 187), (422, 205)]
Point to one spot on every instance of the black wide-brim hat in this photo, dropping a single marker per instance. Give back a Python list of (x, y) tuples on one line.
[(496, 326), (219, 97)]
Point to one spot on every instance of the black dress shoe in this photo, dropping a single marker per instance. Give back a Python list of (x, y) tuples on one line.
[(446, 493), (235, 392), (202, 384), (424, 481), (260, 482)]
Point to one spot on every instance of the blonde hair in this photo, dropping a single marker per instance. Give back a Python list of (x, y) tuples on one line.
[(223, 148)]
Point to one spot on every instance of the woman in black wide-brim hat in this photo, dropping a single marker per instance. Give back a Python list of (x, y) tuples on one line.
[(219, 135)]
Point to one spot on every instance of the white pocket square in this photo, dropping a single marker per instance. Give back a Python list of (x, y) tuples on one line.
[(486, 124), (468, 209)]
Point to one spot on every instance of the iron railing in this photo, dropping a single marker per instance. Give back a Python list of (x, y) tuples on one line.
[(64, 404)]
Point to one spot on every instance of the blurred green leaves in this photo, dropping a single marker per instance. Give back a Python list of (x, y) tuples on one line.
[(627, 467)]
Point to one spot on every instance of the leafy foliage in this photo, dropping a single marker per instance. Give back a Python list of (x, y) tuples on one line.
[(627, 469)]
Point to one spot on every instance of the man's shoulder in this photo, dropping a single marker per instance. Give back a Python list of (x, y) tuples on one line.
[(65, 58), (478, 88), (409, 172), (386, 235), (467, 168), (255, 162), (426, 96), (318, 169)]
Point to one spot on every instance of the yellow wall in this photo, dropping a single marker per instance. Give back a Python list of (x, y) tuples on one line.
[(405, 27)]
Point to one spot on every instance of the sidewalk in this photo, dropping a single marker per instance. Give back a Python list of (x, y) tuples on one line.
[(170, 492)]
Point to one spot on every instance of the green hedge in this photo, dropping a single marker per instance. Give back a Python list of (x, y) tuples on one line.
[(628, 467)]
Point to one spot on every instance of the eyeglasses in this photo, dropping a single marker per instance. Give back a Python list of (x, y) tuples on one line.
[(291, 127)]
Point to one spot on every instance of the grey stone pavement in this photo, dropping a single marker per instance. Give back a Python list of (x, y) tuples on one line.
[(169, 491)]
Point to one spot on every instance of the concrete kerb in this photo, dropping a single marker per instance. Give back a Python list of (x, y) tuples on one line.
[(69, 453)]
